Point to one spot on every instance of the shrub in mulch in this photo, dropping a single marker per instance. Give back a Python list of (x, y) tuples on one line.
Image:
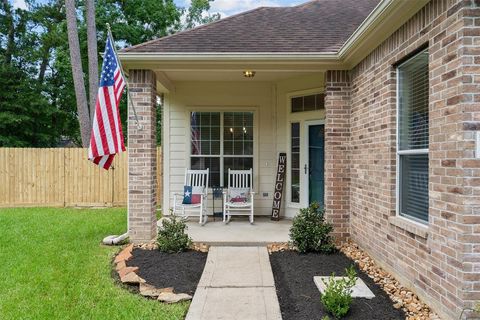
[(299, 297)]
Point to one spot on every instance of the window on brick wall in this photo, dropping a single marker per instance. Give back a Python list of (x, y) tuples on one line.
[(412, 138), (219, 141)]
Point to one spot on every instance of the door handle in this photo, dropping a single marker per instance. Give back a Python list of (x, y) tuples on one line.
[(305, 168)]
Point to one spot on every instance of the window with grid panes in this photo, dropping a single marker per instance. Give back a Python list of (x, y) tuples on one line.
[(412, 137), (219, 141)]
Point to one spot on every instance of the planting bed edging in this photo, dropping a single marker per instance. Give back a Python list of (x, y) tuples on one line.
[(130, 274)]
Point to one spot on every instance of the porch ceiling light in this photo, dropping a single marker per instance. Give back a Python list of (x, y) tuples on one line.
[(249, 73)]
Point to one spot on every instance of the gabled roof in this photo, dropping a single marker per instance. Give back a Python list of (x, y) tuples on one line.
[(319, 26)]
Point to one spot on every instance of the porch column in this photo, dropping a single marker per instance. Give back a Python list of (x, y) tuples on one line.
[(337, 160), (142, 156)]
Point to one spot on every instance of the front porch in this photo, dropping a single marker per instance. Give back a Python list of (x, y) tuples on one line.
[(239, 232)]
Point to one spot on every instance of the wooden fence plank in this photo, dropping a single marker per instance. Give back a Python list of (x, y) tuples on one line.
[(63, 177)]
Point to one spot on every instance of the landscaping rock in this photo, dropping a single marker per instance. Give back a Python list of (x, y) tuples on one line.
[(132, 277), (201, 247), (124, 271), (359, 290), (152, 245), (125, 254), (120, 265), (279, 246), (151, 291), (170, 297)]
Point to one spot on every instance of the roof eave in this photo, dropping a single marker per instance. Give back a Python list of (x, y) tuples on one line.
[(225, 56), (385, 18)]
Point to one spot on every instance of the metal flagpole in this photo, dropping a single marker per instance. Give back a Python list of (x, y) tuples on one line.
[(140, 127)]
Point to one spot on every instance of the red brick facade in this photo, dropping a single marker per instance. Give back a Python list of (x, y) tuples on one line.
[(142, 157), (441, 262), (337, 163)]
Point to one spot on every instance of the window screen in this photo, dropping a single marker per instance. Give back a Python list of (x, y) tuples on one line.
[(412, 135)]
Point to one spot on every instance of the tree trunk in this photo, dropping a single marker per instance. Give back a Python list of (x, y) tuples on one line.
[(92, 55), (77, 72), (43, 65), (10, 33)]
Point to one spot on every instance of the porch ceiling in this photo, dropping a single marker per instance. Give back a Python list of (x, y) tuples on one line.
[(233, 75)]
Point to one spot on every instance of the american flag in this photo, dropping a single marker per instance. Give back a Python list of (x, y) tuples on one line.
[(107, 136), (195, 135)]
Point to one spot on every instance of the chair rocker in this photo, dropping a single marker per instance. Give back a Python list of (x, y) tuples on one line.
[(238, 199), (195, 179)]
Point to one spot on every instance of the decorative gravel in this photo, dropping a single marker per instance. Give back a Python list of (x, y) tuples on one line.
[(300, 299)]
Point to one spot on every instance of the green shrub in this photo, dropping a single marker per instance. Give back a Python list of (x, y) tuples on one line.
[(310, 232), (338, 293), (172, 236)]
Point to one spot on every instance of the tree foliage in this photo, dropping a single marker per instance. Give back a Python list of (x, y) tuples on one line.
[(37, 97)]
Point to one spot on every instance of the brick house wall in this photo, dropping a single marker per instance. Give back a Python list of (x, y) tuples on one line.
[(142, 156), (441, 262), (337, 156)]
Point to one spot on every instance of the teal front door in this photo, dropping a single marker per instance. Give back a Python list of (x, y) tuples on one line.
[(316, 159)]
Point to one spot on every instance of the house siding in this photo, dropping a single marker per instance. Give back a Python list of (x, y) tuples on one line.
[(220, 97), (441, 262)]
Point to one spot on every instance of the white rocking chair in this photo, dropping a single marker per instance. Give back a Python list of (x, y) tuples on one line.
[(193, 178), (239, 196)]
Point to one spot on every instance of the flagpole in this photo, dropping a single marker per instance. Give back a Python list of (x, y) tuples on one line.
[(140, 127)]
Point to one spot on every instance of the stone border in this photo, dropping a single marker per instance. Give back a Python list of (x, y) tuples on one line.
[(400, 295), (129, 276)]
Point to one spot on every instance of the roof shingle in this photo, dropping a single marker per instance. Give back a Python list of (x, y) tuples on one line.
[(318, 26)]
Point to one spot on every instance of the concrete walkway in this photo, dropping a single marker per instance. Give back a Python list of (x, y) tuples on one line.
[(237, 283)]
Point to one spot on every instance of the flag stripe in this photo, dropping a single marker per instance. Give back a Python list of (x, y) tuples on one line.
[(107, 136)]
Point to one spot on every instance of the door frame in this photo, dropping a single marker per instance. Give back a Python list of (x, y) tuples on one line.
[(292, 208), (305, 183)]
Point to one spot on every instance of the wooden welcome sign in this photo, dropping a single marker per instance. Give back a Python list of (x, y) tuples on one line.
[(280, 181)]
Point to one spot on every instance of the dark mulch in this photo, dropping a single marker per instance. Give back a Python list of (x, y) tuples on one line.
[(182, 271), (300, 299)]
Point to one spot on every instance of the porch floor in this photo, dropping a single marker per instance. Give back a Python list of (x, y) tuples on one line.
[(239, 232)]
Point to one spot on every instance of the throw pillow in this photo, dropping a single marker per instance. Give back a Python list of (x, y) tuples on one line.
[(197, 193), (187, 195), (239, 195)]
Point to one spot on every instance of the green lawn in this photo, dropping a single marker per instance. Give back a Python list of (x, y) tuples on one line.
[(52, 266)]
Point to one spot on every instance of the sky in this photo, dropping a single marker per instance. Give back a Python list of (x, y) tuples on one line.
[(229, 7), (224, 7)]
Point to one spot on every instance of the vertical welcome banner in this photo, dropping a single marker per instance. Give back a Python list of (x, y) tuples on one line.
[(279, 183)]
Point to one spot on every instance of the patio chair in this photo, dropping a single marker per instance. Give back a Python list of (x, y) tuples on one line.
[(238, 199), (195, 188)]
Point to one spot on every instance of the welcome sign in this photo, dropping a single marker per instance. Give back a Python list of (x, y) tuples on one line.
[(279, 183)]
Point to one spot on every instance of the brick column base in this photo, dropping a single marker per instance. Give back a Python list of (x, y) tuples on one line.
[(142, 157)]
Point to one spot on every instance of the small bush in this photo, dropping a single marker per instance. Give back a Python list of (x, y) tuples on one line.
[(172, 237), (338, 293), (310, 232)]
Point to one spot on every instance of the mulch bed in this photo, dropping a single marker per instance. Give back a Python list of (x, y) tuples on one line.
[(182, 271), (300, 299)]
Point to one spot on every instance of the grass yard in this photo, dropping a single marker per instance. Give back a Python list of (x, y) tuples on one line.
[(52, 266)]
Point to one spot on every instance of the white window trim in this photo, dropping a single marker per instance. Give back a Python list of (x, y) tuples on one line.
[(222, 110), (407, 218)]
